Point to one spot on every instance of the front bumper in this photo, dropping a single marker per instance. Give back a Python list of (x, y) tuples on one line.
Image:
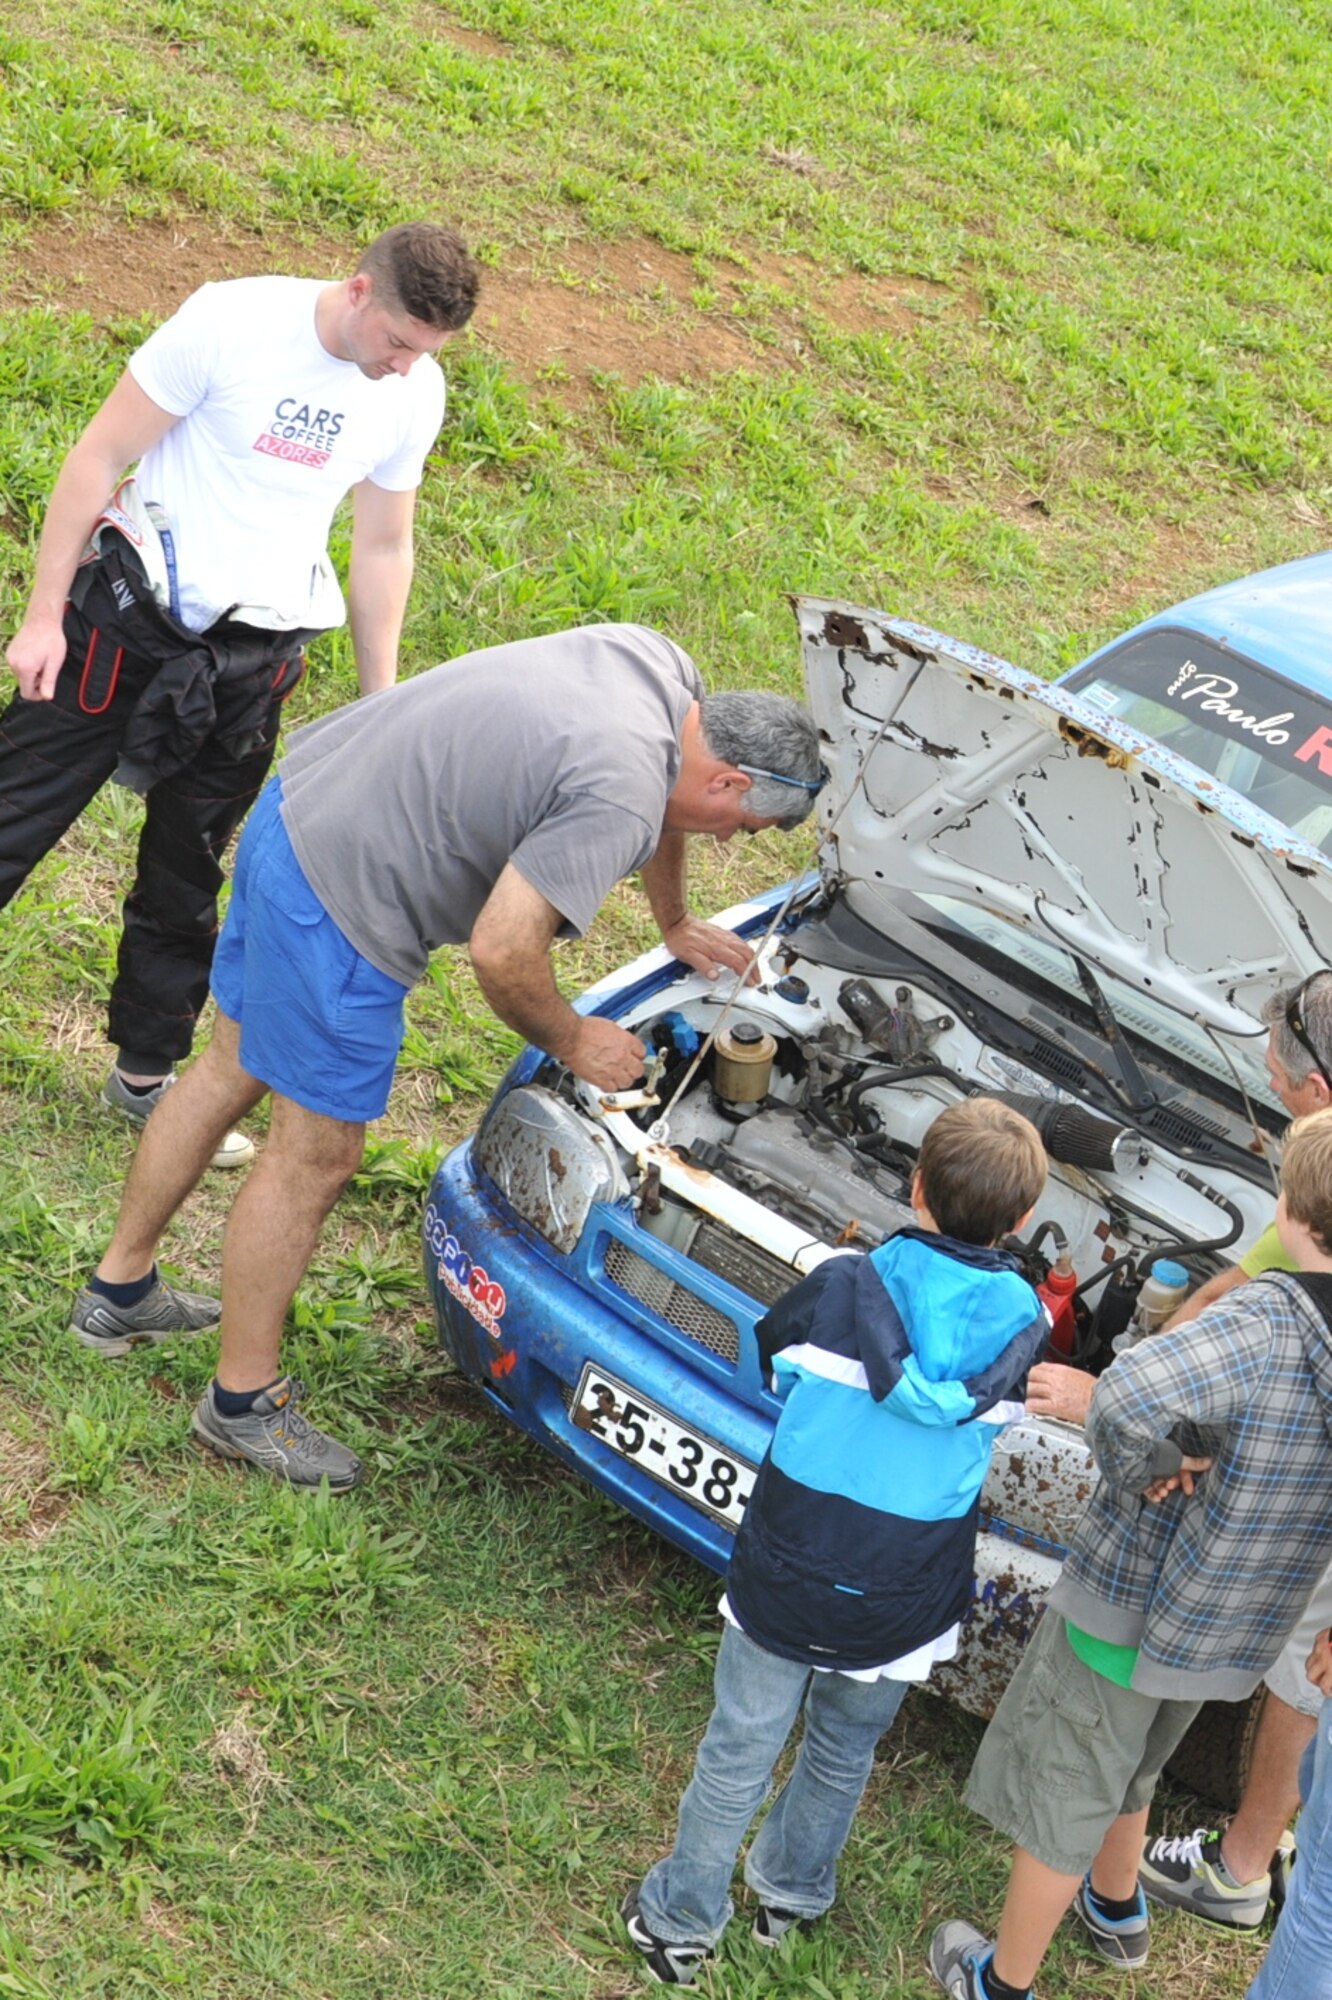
[(523, 1322)]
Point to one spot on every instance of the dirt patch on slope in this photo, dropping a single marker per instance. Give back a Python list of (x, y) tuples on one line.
[(607, 313), (115, 270), (632, 308), (430, 21), (635, 308)]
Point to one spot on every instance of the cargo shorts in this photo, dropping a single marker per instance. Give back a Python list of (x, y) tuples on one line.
[(1068, 1751)]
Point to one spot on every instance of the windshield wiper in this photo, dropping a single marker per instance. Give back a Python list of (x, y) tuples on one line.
[(1138, 1093)]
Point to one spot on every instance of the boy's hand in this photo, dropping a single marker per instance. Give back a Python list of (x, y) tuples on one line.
[(1318, 1666), (1181, 1481)]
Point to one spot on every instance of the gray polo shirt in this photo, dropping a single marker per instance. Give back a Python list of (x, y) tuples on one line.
[(557, 754)]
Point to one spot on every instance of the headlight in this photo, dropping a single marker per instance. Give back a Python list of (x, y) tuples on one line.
[(548, 1163)]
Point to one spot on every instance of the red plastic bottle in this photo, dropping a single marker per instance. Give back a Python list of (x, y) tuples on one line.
[(1055, 1292)]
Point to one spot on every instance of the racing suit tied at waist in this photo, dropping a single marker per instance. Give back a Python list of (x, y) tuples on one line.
[(215, 684)]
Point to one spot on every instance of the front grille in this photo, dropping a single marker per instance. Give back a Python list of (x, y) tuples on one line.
[(742, 1264), (672, 1302)]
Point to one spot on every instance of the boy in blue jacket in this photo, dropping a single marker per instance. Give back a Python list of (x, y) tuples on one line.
[(855, 1559)]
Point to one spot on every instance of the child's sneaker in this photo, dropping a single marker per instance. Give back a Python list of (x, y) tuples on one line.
[(1188, 1873), (1125, 1941), (959, 1954), (771, 1925), (669, 1964)]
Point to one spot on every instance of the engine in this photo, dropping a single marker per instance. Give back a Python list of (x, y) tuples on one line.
[(809, 1109)]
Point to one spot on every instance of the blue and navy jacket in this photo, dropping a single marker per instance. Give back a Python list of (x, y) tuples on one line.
[(858, 1543)]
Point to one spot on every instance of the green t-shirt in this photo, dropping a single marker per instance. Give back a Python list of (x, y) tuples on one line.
[(1267, 1254), (1111, 1662)]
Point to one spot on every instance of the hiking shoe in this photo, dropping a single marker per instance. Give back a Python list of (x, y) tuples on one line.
[(959, 1953), (1125, 1941), (669, 1964), (771, 1924), (276, 1436), (235, 1151), (1185, 1874), (163, 1314)]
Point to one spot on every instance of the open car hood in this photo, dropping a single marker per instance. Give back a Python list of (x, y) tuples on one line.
[(954, 774)]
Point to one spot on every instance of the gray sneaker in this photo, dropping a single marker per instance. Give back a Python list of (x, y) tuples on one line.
[(1184, 1873), (1125, 1941), (958, 1954), (235, 1151), (163, 1314), (277, 1437)]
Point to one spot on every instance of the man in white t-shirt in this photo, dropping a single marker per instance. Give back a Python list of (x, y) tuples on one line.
[(167, 617)]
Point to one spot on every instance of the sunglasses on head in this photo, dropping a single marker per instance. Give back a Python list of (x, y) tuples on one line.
[(1295, 1021), (811, 785)]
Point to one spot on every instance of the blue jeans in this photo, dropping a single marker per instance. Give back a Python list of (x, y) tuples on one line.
[(792, 1865), (1298, 1965)]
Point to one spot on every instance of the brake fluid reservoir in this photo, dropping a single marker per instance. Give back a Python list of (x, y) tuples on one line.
[(742, 1069), (1165, 1288)]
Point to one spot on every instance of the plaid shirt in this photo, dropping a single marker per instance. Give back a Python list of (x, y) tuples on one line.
[(1208, 1588)]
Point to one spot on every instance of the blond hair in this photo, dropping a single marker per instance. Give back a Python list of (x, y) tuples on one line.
[(1306, 1175)]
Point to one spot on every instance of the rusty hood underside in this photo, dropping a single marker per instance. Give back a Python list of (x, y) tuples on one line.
[(955, 775)]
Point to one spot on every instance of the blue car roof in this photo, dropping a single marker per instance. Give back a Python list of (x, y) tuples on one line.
[(1282, 618)]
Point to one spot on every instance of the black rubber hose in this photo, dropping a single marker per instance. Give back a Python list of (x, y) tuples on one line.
[(1190, 1248), (880, 1079), (1048, 1228)]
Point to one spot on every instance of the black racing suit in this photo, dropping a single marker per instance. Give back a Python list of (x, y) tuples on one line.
[(191, 720)]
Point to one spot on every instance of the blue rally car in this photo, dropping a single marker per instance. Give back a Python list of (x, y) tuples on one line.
[(1077, 897)]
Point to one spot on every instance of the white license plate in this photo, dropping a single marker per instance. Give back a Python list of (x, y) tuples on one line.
[(634, 1428)]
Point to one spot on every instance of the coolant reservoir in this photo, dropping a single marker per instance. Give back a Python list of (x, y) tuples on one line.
[(1165, 1288), (742, 1068)]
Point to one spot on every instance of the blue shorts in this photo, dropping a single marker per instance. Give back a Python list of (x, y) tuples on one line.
[(318, 1023)]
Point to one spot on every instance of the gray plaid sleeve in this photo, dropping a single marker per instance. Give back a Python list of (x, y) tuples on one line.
[(1204, 1373)]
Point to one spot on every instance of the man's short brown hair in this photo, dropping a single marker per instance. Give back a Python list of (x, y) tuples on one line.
[(981, 1166), (425, 271), (1306, 1175)]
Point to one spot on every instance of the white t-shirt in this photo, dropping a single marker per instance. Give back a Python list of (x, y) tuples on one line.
[(912, 1666), (275, 432)]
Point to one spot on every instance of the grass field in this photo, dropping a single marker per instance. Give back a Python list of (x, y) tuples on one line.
[(1011, 318)]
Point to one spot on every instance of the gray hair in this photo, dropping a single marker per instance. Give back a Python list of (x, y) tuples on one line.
[(766, 732), (1316, 1013)]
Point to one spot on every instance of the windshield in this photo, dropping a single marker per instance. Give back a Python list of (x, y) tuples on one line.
[(1171, 1032), (1246, 727)]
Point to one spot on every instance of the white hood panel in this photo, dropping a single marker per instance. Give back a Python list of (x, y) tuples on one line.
[(982, 783)]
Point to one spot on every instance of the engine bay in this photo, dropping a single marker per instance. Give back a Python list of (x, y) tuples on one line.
[(782, 1125)]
